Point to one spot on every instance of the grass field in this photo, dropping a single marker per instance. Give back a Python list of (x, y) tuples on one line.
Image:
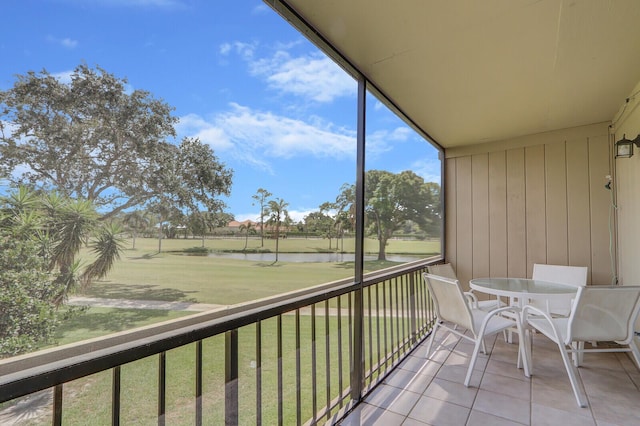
[(171, 276), (89, 397), (144, 274)]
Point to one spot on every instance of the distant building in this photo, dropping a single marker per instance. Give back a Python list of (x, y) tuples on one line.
[(234, 224)]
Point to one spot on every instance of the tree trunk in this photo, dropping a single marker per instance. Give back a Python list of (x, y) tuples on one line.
[(277, 240), (382, 243), (160, 237)]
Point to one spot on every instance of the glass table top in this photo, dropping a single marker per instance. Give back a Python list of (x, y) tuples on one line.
[(513, 286)]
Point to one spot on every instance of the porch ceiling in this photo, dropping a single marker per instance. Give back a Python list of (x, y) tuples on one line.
[(468, 71)]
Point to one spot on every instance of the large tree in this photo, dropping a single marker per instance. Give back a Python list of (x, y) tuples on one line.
[(94, 139), (392, 200)]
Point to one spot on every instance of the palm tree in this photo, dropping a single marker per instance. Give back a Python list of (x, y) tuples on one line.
[(61, 226), (247, 227), (164, 212), (261, 198), (136, 221), (277, 211)]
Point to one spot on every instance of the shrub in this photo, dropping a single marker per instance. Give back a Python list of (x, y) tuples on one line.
[(196, 251)]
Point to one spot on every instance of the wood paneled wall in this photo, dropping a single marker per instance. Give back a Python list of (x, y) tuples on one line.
[(537, 199)]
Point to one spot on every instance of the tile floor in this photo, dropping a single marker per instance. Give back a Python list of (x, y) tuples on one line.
[(431, 392)]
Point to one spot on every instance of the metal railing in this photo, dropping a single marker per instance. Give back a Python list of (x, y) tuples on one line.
[(283, 360)]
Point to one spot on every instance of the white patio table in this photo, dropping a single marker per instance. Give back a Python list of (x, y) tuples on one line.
[(521, 290)]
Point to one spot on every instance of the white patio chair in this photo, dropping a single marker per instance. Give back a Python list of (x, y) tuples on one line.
[(451, 306), (571, 275), (600, 313), (446, 270)]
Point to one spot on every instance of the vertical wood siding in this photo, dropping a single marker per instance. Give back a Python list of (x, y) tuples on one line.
[(541, 201)]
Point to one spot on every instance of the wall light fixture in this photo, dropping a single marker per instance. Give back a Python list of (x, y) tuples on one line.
[(624, 147)]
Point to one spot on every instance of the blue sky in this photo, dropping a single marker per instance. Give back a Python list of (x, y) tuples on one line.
[(271, 105)]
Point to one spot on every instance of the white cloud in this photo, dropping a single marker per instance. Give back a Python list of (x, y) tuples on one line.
[(241, 217), (260, 9), (313, 76), (255, 136), (295, 215), (245, 50), (298, 215), (67, 42), (63, 77), (64, 42), (428, 169), (378, 142), (193, 125), (166, 4)]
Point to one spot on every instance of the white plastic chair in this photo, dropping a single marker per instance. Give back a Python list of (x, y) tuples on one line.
[(446, 270), (600, 313), (451, 307), (571, 275)]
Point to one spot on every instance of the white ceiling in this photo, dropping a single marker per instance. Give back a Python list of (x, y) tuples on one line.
[(470, 71)]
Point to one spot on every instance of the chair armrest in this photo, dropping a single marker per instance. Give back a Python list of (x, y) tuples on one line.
[(471, 299), (536, 311), (540, 313), (509, 308)]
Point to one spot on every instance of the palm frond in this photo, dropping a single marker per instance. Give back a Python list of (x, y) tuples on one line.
[(107, 247)]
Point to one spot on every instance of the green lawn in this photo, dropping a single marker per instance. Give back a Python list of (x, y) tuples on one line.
[(171, 276), (89, 397)]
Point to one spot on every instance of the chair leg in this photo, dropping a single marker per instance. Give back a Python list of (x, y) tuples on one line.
[(578, 353), (635, 352), (472, 363), (523, 351), (573, 377), (432, 338)]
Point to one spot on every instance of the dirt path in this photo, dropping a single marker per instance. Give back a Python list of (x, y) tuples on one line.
[(142, 304)]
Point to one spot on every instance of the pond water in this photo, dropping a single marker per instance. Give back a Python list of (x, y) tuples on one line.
[(308, 257)]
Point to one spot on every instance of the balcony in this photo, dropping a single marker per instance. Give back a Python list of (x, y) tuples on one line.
[(430, 392), (290, 360)]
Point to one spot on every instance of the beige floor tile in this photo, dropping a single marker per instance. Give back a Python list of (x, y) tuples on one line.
[(413, 422), (369, 415), (413, 382), (393, 399), (506, 386), (434, 392), (543, 415), (478, 418), (600, 382), (453, 392), (507, 369), (554, 392), (504, 406), (506, 355), (457, 374), (420, 364), (439, 413), (463, 360), (621, 413)]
